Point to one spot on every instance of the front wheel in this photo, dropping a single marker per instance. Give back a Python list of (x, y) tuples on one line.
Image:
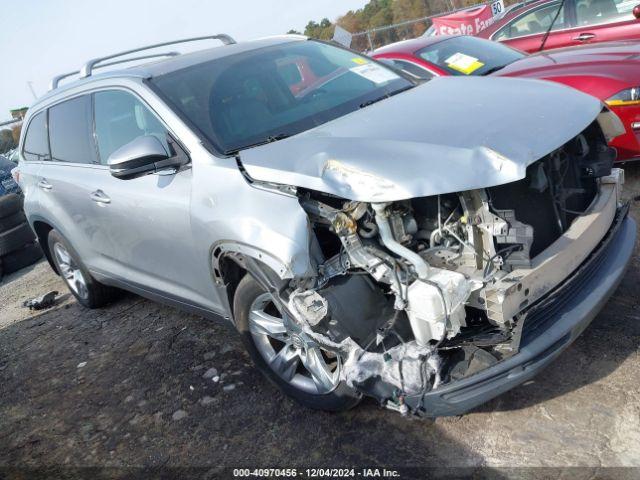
[(286, 355)]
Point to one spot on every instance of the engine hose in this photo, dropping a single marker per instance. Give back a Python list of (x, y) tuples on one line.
[(369, 230), (386, 235)]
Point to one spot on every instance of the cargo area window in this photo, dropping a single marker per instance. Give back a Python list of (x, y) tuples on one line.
[(36, 143)]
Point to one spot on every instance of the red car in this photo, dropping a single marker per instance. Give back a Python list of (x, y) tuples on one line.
[(609, 71), (577, 23)]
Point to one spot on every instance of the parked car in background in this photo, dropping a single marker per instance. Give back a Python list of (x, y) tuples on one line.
[(503, 11), (575, 22), (18, 245), (7, 183), (608, 71)]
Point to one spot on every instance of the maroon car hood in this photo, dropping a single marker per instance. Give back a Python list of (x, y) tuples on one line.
[(601, 69)]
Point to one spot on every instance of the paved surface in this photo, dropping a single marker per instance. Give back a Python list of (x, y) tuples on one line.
[(126, 386)]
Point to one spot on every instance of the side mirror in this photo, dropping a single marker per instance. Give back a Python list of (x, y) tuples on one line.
[(636, 11), (139, 157)]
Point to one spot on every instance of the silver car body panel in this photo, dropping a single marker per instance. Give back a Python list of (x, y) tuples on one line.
[(157, 233), (181, 218), (404, 147)]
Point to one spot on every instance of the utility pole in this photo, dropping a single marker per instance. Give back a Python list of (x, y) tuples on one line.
[(33, 92)]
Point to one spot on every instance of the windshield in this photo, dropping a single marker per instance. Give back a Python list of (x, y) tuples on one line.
[(467, 55), (274, 92)]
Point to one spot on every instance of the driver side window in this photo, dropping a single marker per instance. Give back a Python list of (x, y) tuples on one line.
[(537, 21), (120, 118)]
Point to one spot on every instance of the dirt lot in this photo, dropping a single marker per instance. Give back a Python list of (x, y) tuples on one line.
[(126, 386)]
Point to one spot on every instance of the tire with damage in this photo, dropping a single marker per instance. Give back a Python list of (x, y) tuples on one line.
[(252, 300)]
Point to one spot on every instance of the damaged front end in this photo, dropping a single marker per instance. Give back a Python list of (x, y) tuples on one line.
[(412, 295)]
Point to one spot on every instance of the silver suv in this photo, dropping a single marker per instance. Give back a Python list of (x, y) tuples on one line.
[(429, 245)]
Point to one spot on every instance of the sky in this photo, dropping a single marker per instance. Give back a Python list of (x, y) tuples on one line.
[(43, 38)]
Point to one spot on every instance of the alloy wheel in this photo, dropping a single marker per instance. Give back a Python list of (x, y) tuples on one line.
[(70, 271), (289, 352)]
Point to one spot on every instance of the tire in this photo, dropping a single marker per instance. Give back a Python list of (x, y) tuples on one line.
[(342, 397), (91, 293), (14, 238), (27, 255), (11, 221), (10, 204)]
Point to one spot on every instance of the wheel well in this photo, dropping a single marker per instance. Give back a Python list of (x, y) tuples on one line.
[(42, 230), (230, 272)]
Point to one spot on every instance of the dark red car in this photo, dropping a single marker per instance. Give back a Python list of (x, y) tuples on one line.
[(609, 71), (578, 22)]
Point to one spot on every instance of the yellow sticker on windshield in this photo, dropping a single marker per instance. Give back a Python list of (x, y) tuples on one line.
[(359, 61), (463, 63)]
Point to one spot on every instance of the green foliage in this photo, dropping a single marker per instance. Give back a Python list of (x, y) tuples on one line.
[(322, 30)]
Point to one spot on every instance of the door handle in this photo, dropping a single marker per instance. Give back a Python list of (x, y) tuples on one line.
[(44, 185), (584, 37), (99, 197)]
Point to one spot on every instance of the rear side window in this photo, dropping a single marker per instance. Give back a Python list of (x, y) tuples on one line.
[(537, 21), (70, 131), (36, 143), (120, 118)]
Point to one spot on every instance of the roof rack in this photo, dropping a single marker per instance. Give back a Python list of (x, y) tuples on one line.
[(87, 68), (56, 80)]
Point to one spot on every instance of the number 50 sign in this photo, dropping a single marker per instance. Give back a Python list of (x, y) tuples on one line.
[(497, 7)]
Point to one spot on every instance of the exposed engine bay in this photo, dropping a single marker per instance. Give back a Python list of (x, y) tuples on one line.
[(411, 294)]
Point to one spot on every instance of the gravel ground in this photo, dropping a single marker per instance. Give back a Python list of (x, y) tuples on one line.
[(132, 385)]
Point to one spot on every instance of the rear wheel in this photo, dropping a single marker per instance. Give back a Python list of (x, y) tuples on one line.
[(286, 355), (87, 290)]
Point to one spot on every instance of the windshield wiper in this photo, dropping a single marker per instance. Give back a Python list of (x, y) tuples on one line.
[(388, 95), (493, 69), (269, 139)]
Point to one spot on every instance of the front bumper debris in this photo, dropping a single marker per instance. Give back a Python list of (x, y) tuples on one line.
[(575, 304)]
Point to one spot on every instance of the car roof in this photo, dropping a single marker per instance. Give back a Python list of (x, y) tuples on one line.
[(172, 64)]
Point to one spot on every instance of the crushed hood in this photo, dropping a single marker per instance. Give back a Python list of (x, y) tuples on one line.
[(448, 135)]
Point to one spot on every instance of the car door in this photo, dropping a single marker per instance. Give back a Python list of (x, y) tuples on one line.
[(68, 177), (527, 31), (142, 225), (606, 20)]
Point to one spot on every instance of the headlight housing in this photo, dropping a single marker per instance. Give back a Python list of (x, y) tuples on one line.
[(630, 96)]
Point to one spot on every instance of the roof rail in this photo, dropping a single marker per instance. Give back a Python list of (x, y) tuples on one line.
[(56, 80), (91, 64)]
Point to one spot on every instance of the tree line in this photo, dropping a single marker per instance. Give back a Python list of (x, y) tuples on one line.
[(380, 13)]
